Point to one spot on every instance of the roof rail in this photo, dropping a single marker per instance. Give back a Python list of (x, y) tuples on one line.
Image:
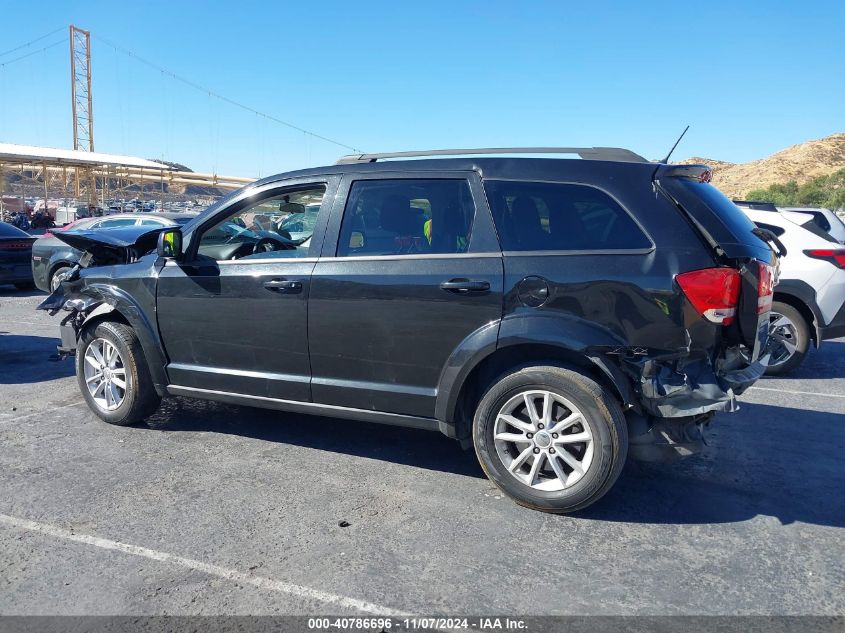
[(593, 153)]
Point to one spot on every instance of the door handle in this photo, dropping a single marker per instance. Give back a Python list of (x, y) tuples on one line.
[(283, 286), (463, 286)]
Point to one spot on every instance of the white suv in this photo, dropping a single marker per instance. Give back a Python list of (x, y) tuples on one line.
[(823, 219), (809, 298), (826, 219)]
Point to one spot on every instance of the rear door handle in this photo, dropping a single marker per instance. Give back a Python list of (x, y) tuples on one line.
[(462, 286), (283, 286)]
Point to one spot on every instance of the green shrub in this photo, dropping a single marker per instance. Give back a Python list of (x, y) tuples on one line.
[(822, 191)]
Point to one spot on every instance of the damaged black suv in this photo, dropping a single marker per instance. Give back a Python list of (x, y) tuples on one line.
[(556, 314)]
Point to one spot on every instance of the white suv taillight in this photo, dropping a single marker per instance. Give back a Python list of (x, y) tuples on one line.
[(713, 292), (835, 256)]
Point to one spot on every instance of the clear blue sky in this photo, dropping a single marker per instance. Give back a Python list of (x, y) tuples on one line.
[(749, 77)]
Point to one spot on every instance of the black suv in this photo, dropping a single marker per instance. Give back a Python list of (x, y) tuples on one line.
[(556, 314)]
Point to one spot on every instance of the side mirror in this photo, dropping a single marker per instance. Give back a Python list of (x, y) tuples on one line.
[(170, 243)]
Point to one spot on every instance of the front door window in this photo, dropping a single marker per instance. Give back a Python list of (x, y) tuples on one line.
[(277, 226)]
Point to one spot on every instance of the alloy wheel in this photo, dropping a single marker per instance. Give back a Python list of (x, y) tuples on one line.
[(543, 440), (784, 339), (105, 374)]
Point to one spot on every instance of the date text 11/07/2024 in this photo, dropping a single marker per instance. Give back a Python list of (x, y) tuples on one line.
[(416, 624)]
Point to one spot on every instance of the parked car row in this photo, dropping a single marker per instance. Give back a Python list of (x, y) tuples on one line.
[(28, 260), (15, 256)]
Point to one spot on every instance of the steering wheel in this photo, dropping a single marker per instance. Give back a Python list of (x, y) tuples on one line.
[(269, 244)]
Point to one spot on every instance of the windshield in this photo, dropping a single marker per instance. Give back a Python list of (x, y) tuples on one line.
[(301, 222), (228, 230)]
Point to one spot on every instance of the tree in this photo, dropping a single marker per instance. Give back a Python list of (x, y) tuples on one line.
[(822, 191)]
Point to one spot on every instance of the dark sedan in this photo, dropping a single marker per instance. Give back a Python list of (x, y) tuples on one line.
[(52, 258), (15, 254)]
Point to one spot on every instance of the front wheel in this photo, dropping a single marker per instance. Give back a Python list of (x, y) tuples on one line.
[(550, 438), (113, 374), (789, 339)]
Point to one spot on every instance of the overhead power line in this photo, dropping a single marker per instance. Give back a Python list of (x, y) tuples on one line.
[(223, 98), (31, 42), (35, 52)]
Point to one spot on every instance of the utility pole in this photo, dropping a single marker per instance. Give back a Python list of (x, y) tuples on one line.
[(81, 101)]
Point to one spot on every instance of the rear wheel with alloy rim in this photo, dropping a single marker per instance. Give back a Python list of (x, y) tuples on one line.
[(550, 438), (789, 338), (113, 375)]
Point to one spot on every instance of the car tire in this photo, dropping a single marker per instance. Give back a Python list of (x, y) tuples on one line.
[(794, 329), (95, 354), (24, 285), (555, 484), (56, 277)]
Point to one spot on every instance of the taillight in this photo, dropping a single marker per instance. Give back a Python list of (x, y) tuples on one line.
[(713, 292), (765, 288), (834, 256)]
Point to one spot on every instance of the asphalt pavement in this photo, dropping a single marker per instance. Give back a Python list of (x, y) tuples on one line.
[(215, 509)]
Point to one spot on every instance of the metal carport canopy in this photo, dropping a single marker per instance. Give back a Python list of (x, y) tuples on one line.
[(29, 154)]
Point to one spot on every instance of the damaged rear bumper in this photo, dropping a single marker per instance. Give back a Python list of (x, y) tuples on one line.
[(693, 387), (677, 400)]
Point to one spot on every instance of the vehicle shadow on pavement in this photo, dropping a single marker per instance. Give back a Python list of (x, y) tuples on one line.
[(410, 447), (751, 467), (765, 460), (25, 359)]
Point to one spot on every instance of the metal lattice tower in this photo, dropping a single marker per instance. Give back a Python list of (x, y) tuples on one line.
[(81, 103), (80, 73)]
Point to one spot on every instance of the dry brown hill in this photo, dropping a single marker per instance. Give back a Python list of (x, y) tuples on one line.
[(799, 163)]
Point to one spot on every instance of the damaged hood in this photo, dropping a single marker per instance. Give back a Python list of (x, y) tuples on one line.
[(106, 248), (113, 246)]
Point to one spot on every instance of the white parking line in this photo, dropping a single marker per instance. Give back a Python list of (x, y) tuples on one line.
[(34, 413), (212, 570), (799, 393)]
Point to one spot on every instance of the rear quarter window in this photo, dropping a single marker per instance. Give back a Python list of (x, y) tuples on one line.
[(820, 220), (712, 208), (541, 216)]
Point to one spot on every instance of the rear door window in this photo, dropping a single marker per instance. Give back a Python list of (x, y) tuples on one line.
[(407, 217), (542, 216)]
